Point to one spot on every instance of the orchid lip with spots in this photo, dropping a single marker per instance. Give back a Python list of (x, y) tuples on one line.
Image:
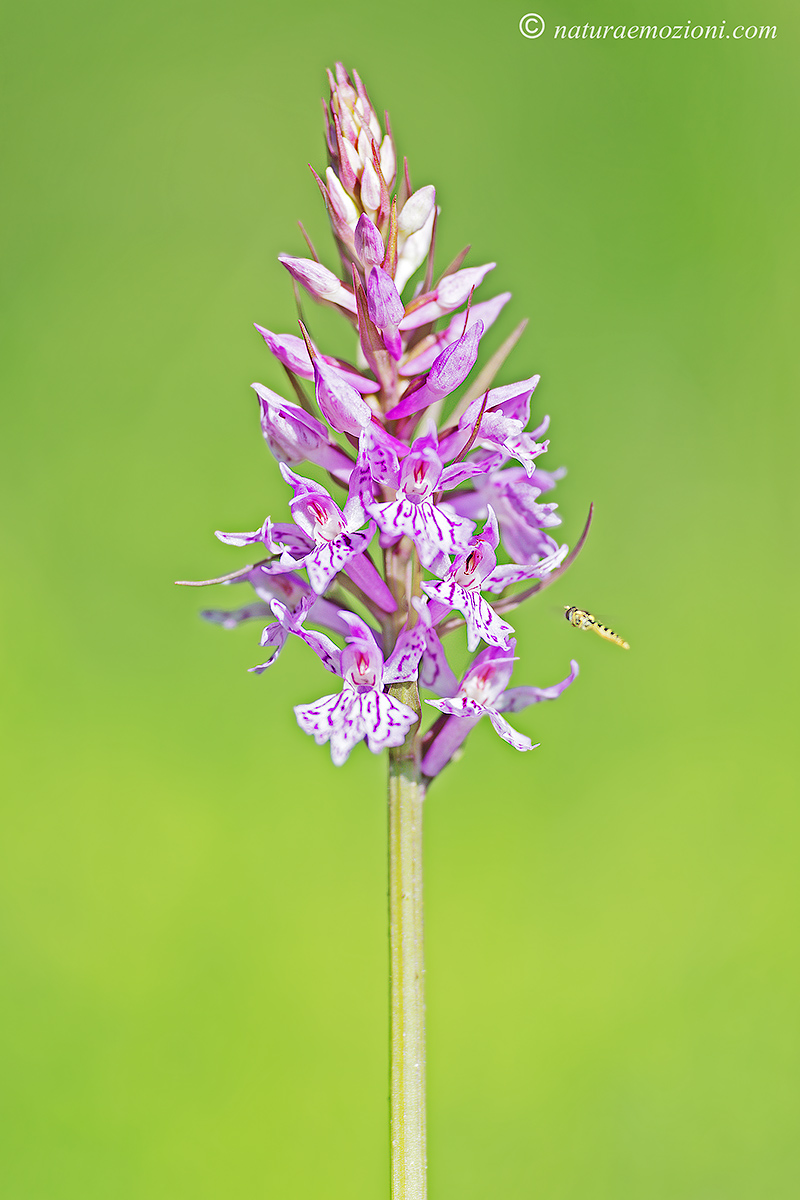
[(419, 517)]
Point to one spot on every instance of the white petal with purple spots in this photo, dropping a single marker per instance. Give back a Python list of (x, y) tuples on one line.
[(403, 663), (518, 740), (431, 529), (482, 621), (332, 556), (386, 720)]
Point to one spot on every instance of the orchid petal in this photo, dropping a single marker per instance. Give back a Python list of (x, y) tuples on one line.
[(234, 617), (364, 574), (330, 716), (383, 300), (274, 635), (386, 721), (359, 495), (331, 557), (518, 740), (383, 463), (342, 406), (292, 352), (431, 529), (327, 651), (508, 573), (515, 699), (459, 706), (403, 662), (319, 281), (358, 629), (468, 469)]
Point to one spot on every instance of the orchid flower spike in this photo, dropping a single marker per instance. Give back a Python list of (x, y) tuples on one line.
[(444, 518)]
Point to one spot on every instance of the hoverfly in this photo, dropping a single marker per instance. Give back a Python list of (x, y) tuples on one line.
[(582, 619)]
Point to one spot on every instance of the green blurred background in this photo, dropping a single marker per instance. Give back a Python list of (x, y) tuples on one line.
[(193, 898)]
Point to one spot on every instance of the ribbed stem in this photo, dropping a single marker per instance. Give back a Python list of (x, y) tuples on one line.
[(406, 796)]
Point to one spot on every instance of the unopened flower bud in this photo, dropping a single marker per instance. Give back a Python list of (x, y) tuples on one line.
[(369, 243), (448, 372), (293, 353), (340, 404), (455, 363), (414, 253), (291, 434), (319, 281), (364, 108), (350, 162), (383, 301), (364, 144), (294, 436), (370, 187), (417, 209), (453, 291), (388, 160), (343, 206), (385, 309), (344, 87), (422, 358)]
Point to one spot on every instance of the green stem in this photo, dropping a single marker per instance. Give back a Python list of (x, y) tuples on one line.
[(406, 795)]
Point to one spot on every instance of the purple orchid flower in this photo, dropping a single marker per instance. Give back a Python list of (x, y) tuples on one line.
[(514, 496), (483, 692), (338, 546), (324, 539), (433, 528), (427, 467), (362, 710), (501, 417), (477, 570), (461, 589)]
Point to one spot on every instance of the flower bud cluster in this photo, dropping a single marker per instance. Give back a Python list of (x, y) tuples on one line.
[(427, 475)]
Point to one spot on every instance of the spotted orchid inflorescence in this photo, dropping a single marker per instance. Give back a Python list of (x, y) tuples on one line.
[(440, 474)]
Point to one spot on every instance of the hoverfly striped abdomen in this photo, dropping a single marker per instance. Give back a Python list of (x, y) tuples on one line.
[(582, 619)]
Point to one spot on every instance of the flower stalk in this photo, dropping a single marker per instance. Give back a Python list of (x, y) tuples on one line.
[(407, 966), (406, 794)]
